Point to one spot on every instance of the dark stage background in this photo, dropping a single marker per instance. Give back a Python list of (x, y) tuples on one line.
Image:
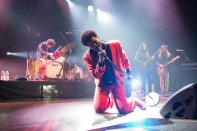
[(26, 23)]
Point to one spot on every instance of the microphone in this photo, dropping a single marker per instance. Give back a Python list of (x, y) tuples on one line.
[(179, 50), (98, 44), (101, 53)]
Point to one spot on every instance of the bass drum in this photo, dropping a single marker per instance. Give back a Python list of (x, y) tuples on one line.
[(54, 70)]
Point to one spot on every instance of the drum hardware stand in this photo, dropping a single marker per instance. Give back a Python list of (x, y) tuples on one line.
[(59, 74), (69, 63), (69, 60), (28, 57)]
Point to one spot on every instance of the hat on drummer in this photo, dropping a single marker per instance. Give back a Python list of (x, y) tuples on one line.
[(51, 42), (164, 46)]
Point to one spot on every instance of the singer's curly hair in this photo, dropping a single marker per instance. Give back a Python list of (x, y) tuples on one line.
[(87, 36)]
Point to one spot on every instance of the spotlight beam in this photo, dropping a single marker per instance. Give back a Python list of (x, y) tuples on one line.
[(20, 54)]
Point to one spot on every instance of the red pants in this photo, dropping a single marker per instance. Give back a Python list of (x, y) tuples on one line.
[(102, 102)]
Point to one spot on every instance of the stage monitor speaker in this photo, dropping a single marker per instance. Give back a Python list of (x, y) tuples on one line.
[(20, 78), (182, 104)]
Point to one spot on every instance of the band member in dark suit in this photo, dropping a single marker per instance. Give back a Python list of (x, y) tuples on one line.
[(143, 68), (108, 78)]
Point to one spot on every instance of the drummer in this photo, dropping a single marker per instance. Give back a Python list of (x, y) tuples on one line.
[(43, 50), (45, 55)]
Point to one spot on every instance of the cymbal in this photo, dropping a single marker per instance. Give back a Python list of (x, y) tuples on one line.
[(72, 32), (69, 33), (68, 47)]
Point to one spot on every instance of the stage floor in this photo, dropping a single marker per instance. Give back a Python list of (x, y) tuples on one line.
[(78, 115)]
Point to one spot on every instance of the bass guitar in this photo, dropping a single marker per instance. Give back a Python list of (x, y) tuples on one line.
[(152, 58)]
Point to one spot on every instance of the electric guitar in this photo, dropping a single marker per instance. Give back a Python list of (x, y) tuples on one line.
[(150, 59), (144, 64), (161, 67)]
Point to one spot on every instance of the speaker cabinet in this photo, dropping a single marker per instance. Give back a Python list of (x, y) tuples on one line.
[(181, 105)]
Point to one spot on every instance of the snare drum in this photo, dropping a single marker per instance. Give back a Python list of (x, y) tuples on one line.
[(53, 70), (57, 54)]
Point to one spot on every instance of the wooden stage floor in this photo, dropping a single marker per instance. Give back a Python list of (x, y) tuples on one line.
[(78, 115)]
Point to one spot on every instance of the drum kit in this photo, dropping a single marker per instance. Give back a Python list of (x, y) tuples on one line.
[(55, 68)]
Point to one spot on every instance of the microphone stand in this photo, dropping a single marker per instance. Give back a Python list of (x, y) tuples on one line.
[(186, 57), (28, 56)]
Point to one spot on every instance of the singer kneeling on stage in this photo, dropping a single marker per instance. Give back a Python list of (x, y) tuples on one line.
[(104, 61)]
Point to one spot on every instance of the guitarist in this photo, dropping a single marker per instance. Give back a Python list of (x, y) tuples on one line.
[(163, 60), (142, 66)]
